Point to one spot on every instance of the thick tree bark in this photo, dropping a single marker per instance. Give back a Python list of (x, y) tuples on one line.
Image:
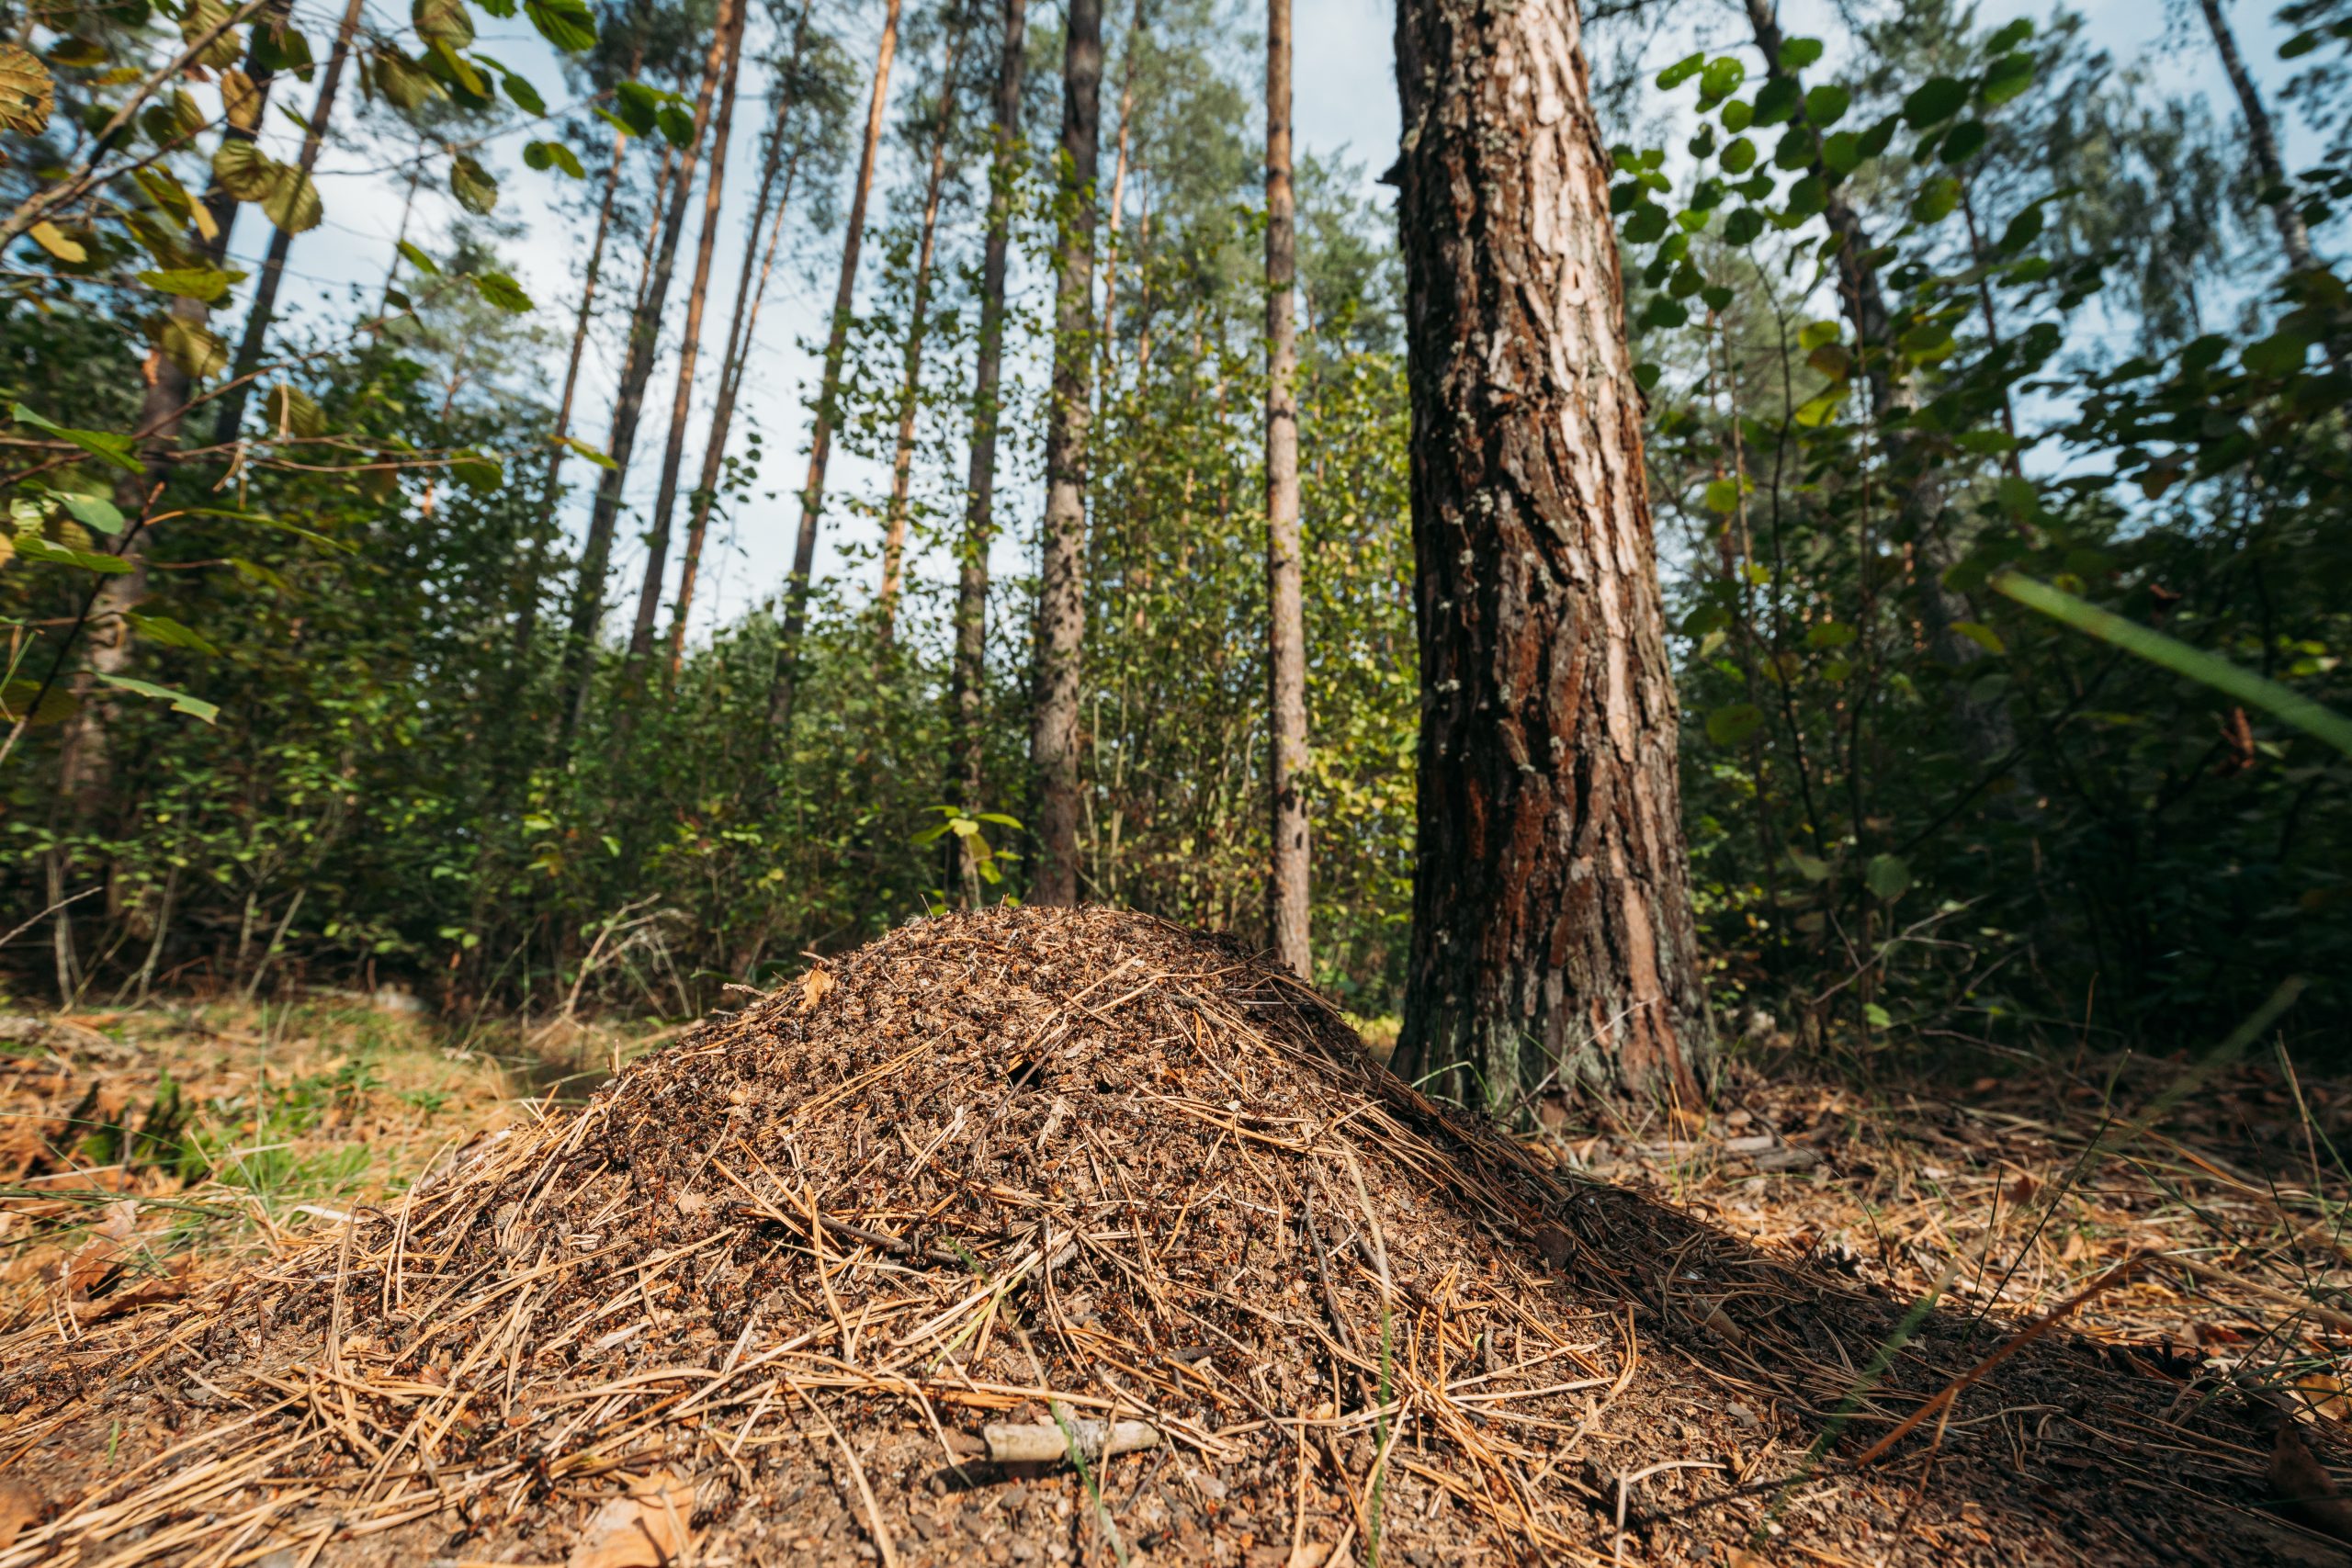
[(741, 323), (968, 681), (787, 686), (637, 368), (1980, 726), (1552, 938), (1061, 585), (526, 618), (1286, 886), (673, 452), (902, 455), (281, 241)]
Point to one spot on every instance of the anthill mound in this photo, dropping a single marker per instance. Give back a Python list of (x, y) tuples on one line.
[(1077, 1185)]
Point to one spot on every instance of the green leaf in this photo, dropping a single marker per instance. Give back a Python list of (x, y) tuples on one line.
[(2005, 79), (1738, 115), (552, 154), (292, 201), (1888, 876), (1826, 105), (1721, 79), (1878, 1016), (90, 511), (526, 98), (1778, 101), (26, 93), (1732, 725), (169, 633), (194, 708), (1829, 634), (1742, 226), (1982, 636), (243, 170), (1962, 142), (419, 260), (2284, 703), (33, 547), (567, 24), (590, 452), (443, 21), (677, 126), (1934, 102), (1681, 70), (1813, 868), (1738, 156), (1813, 334), (1796, 53), (101, 444), (191, 345), (2278, 355), (53, 706), (1936, 200), (1722, 496), (290, 411), (193, 283), (477, 470), (503, 291), (471, 183)]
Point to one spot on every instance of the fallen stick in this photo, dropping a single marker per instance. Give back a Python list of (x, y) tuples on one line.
[(1043, 1443)]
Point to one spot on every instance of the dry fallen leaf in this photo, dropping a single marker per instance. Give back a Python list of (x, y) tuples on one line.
[(813, 987), (2326, 1395), (19, 1507), (645, 1529), (97, 1260)]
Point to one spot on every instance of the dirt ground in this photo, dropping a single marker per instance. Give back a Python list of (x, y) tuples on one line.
[(789, 1288)]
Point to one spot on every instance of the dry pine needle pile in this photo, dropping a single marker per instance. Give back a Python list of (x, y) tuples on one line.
[(1032, 1236)]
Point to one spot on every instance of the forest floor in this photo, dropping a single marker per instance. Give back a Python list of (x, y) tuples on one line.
[(2150, 1253)]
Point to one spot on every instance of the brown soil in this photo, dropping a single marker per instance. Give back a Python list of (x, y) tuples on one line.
[(756, 1301)]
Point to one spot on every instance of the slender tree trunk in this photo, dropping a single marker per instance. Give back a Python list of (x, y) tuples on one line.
[(1553, 937), (902, 456), (1061, 583), (1119, 170), (2263, 142), (86, 748), (739, 324), (1286, 887), (1981, 725), (968, 682), (673, 453), (645, 331), (527, 620), (786, 689), (281, 241)]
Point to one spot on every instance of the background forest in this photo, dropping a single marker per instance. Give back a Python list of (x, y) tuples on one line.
[(341, 650)]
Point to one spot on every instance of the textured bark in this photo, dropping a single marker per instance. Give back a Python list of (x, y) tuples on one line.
[(1286, 886), (821, 437), (1553, 939), (1118, 206), (1061, 584), (673, 451), (637, 368), (740, 323), (968, 680), (526, 618), (2263, 142), (1980, 724), (281, 242), (902, 455), (86, 748)]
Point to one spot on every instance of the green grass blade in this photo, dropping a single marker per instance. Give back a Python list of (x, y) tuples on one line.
[(2312, 718)]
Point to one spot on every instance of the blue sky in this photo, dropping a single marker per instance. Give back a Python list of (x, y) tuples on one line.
[(1345, 99)]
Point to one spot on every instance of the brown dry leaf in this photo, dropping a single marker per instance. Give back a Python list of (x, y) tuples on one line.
[(2301, 1486), (19, 1506), (96, 1260), (645, 1529), (813, 987), (168, 1286), (2326, 1395)]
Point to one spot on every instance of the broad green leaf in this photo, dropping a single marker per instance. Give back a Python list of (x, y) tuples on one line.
[(90, 511), (169, 633), (2005, 79), (1796, 53), (676, 125), (443, 21), (2283, 702), (503, 291), (1681, 70), (290, 411), (2279, 355), (194, 708), (1829, 634), (201, 17), (1732, 725), (1722, 496), (471, 183), (1742, 226), (1934, 102), (52, 706), (1982, 636), (27, 94), (526, 98), (1738, 156), (1777, 101), (1813, 868), (101, 444), (193, 346), (1962, 142), (292, 202), (477, 470), (1878, 1016), (1826, 105), (1888, 876), (402, 81), (193, 283), (553, 154), (1812, 334), (419, 260), (1936, 200), (33, 547), (243, 170), (1721, 78), (590, 452), (567, 24)]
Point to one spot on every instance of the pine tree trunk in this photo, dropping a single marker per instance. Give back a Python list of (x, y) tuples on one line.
[(644, 335), (741, 323), (966, 781), (1981, 727), (1061, 583), (281, 241), (1286, 887), (526, 619), (902, 456), (1552, 938), (2263, 142), (1117, 209), (673, 452), (785, 688)]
